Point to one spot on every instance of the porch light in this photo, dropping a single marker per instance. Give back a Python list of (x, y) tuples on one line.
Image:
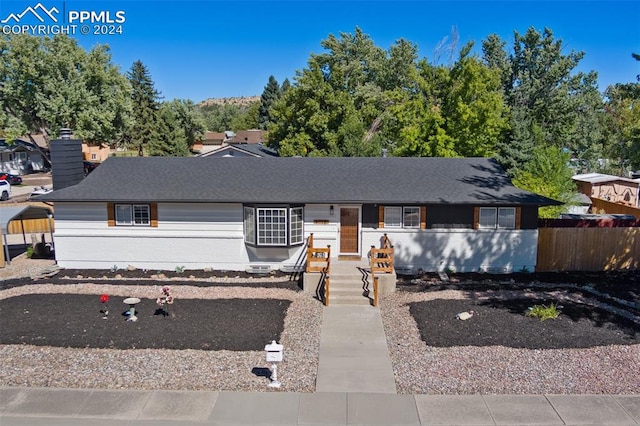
[(331, 210)]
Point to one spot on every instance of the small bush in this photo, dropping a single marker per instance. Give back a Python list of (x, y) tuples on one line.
[(544, 312), (30, 252)]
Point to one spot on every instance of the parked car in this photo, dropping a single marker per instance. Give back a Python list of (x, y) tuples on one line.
[(12, 179), (5, 190), (40, 190)]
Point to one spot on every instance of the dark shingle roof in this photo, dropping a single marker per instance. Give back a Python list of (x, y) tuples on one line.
[(299, 180)]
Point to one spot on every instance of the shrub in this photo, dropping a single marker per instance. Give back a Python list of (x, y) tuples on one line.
[(544, 312)]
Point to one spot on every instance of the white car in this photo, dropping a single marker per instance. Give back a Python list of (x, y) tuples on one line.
[(5, 190)]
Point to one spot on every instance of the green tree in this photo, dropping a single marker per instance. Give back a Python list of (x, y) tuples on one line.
[(474, 107), (421, 126), (147, 103), (171, 138), (189, 118), (108, 114), (456, 111), (49, 83), (247, 118), (540, 91), (546, 173), (286, 85), (339, 103), (270, 94), (622, 111)]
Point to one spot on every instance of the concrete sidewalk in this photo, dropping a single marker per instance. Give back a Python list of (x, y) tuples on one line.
[(71, 407), (353, 352)]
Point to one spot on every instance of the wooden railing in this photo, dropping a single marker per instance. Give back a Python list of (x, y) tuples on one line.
[(381, 261), (382, 258), (319, 260)]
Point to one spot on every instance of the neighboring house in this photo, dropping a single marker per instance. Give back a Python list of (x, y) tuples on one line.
[(242, 150), (615, 189), (95, 153), (461, 214), (248, 136), (22, 157), (210, 142)]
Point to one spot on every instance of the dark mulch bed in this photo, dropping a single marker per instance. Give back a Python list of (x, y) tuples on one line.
[(623, 285), (63, 278), (69, 320), (504, 323)]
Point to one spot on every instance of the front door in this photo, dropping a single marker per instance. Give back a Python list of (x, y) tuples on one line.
[(348, 230)]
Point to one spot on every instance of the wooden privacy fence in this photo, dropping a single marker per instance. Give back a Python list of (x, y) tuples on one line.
[(588, 249), (31, 226), (604, 206)]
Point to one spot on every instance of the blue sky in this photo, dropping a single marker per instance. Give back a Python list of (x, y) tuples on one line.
[(202, 49)]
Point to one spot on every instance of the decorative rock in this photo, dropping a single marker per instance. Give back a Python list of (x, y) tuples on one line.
[(208, 269), (131, 268), (118, 277)]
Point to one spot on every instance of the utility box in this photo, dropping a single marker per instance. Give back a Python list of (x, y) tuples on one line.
[(274, 352)]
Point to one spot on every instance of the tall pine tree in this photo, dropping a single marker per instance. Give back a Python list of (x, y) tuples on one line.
[(145, 107), (270, 94)]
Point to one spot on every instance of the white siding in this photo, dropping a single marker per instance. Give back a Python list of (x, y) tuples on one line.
[(197, 236), (324, 234), (193, 236), (459, 250)]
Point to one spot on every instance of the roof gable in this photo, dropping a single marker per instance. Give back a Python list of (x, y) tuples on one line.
[(251, 150), (300, 180)]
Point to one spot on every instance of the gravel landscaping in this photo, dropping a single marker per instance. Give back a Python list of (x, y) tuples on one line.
[(224, 327), (214, 336), (593, 347)]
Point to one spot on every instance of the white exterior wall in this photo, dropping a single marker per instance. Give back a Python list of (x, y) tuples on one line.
[(197, 236), (193, 236), (459, 250)]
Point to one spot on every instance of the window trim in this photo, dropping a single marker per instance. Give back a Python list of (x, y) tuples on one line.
[(249, 225), (402, 224), (151, 212), (132, 212), (298, 235), (496, 218), (404, 213), (288, 223), (513, 226), (388, 209), (261, 239)]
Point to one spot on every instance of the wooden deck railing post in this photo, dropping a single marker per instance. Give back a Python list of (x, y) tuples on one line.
[(326, 290), (375, 291)]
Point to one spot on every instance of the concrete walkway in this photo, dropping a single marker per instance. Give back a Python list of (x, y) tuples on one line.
[(353, 352), (75, 407)]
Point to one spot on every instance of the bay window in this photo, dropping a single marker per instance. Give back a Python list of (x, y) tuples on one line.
[(273, 226)]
